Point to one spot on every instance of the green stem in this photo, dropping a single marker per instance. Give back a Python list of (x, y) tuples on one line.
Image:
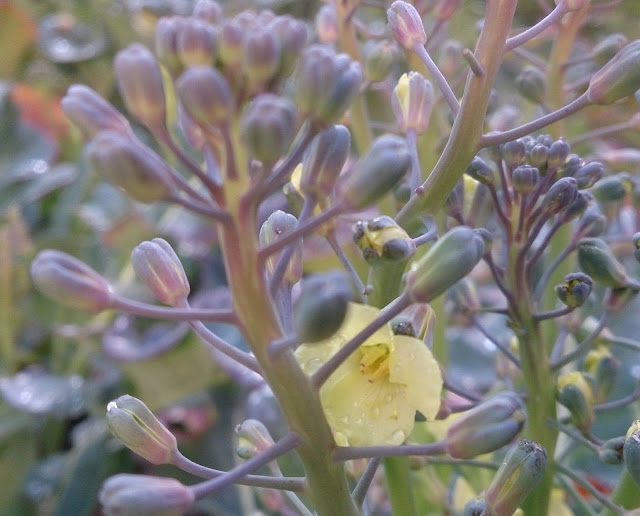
[(398, 476), (7, 350)]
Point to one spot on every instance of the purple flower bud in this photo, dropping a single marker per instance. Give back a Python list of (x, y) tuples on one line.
[(159, 268), (589, 174), (70, 282), (253, 438), (619, 78), (575, 290), (208, 10), (230, 41), (144, 495), (260, 56), (196, 43), (487, 427), (561, 194), (480, 171), (608, 48), (538, 155), (412, 102), (558, 154), (406, 25), (376, 173), (166, 42), (327, 24), (140, 84), (277, 225), (324, 160), (90, 113), (525, 178), (131, 421), (268, 127), (292, 34), (205, 95), (531, 84), (131, 166), (514, 153)]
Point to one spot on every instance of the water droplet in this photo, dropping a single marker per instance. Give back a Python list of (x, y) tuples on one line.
[(388, 398), (312, 365), (65, 40), (355, 404), (397, 438)]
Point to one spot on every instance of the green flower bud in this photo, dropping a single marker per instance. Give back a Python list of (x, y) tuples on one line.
[(514, 153), (532, 84), (412, 102), (618, 79), (612, 188), (450, 259), (326, 83), (525, 178), (605, 369), (131, 421), (405, 25), (90, 113), (480, 171), (589, 174), (521, 470), (576, 393), (611, 451), (608, 48), (253, 438), (561, 194), (196, 43), (417, 321), (276, 226), (326, 24), (379, 58), (268, 127), (466, 294), (159, 268), (592, 223), (598, 261), (260, 56), (324, 160), (376, 173), (538, 156), (205, 95), (230, 43), (131, 166), (322, 306), (631, 452), (144, 495), (208, 10), (166, 42), (558, 154), (382, 239), (140, 84), (487, 427), (70, 282), (575, 290)]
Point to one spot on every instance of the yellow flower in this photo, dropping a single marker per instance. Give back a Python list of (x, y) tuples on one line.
[(372, 398)]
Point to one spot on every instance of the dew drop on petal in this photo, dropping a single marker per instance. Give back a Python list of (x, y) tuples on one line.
[(388, 398), (397, 438), (313, 365)]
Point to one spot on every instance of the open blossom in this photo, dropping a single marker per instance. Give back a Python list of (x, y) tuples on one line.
[(372, 398)]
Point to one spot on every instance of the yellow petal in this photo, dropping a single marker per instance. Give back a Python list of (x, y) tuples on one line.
[(412, 364)]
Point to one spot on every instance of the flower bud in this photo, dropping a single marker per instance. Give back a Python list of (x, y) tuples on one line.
[(382, 239), (531, 84), (326, 83), (561, 194), (612, 188), (260, 56), (610, 451), (525, 179), (592, 223), (376, 173), (605, 369), (159, 268), (268, 127), (323, 161), (450, 259), (131, 166), (196, 43), (292, 35), (522, 468), (205, 95), (492, 424), (253, 438), (576, 393), (514, 153), (538, 156), (322, 306), (417, 321), (598, 261), (131, 421), (406, 25), (617, 79), (412, 102), (465, 294), (276, 226), (70, 282), (230, 43), (144, 495), (326, 24), (90, 113), (379, 58), (208, 10), (166, 42), (140, 84), (607, 48), (635, 240), (480, 171), (589, 174), (631, 452), (558, 154), (575, 290)]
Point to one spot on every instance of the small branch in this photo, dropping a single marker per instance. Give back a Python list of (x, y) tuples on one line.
[(585, 484), (440, 80), (473, 63), (463, 393), (575, 435), (388, 313), (619, 403), (606, 130), (130, 306), (542, 282), (359, 492), (415, 178), (203, 209), (295, 484), (342, 453), (552, 314), (284, 445), (348, 266), (278, 346), (504, 349), (552, 18), (584, 346), (491, 139)]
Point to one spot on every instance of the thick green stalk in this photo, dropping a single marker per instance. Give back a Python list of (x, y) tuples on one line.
[(327, 483)]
